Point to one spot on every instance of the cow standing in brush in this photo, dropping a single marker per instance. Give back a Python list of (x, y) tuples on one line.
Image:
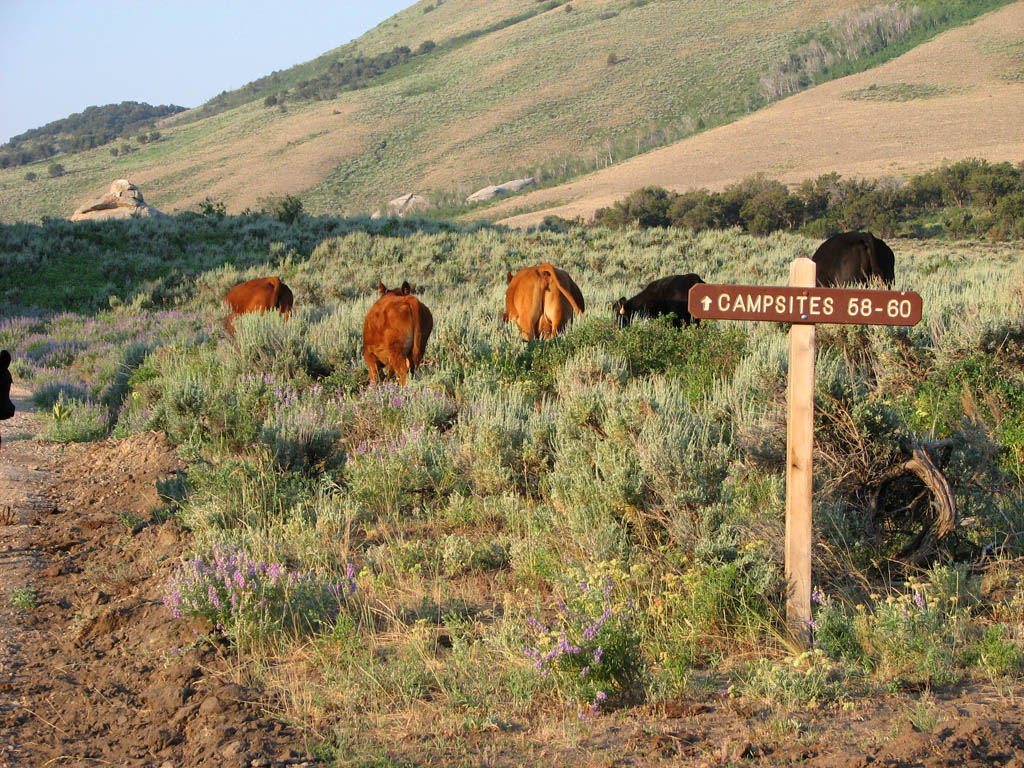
[(395, 333), (541, 300), (6, 406), (259, 295), (854, 257), (665, 296)]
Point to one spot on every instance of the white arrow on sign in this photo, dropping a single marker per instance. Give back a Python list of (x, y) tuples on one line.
[(706, 301)]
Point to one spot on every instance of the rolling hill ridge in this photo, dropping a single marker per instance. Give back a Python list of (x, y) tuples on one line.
[(489, 92)]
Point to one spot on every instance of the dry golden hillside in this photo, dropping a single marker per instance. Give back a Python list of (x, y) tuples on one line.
[(555, 89), (898, 119)]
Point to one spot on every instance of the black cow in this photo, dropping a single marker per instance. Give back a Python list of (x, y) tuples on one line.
[(668, 295), (854, 257), (6, 406)]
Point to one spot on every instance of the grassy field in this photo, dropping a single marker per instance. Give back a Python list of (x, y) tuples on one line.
[(572, 89), (532, 540)]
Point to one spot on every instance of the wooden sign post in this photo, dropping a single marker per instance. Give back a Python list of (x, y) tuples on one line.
[(803, 305), (799, 459)]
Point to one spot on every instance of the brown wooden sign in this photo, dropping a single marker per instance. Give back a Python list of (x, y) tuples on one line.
[(802, 305), (789, 304)]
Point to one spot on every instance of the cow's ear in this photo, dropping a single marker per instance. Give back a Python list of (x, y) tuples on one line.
[(5, 360), (381, 288), (406, 288), (508, 276)]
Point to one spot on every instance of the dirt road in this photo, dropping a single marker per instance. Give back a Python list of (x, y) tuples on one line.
[(93, 669)]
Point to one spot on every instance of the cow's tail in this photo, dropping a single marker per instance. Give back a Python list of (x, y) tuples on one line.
[(576, 305), (275, 291), (284, 300), (422, 325), (417, 340)]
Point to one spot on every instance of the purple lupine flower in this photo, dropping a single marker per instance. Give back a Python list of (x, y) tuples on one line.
[(812, 625), (598, 654), (585, 671), (211, 592), (563, 644), (593, 629), (537, 625), (919, 600), (239, 580), (817, 596)]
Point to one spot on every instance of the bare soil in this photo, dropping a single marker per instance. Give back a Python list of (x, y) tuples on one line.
[(98, 672)]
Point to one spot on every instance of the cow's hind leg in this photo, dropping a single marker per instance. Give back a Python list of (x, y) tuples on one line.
[(401, 365), (373, 365)]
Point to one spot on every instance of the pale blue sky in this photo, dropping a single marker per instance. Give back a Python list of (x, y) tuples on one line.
[(60, 56)]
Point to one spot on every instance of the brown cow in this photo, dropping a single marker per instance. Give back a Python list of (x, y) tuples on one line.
[(395, 332), (258, 295), (541, 300)]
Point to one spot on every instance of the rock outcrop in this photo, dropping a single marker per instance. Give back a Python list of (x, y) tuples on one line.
[(123, 201), (505, 188), (404, 206)]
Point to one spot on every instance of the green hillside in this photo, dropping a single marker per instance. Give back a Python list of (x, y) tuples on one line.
[(508, 89)]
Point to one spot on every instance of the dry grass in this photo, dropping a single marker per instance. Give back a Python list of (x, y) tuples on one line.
[(975, 114), (243, 166), (536, 92)]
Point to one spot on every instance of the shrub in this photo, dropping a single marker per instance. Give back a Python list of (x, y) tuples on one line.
[(55, 170), (697, 211), (920, 636), (75, 421), (270, 345), (51, 388), (999, 653), (215, 209), (646, 207), (590, 654), (254, 602), (834, 632), (288, 209), (769, 209), (23, 598), (301, 429), (806, 680)]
